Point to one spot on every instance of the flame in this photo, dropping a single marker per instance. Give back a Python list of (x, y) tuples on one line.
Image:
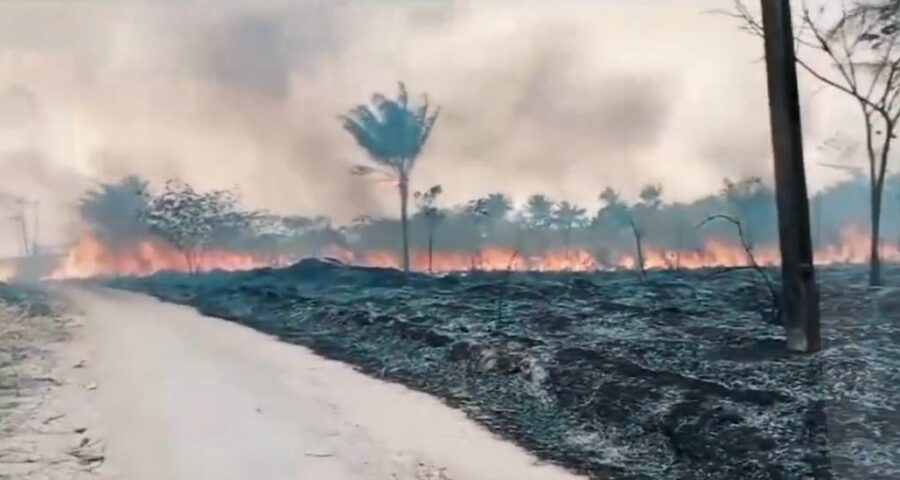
[(854, 248), (90, 258), (7, 272)]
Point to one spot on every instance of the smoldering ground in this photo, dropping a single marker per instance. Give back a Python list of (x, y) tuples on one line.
[(562, 100)]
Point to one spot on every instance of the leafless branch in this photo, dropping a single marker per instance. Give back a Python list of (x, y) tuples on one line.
[(502, 297), (751, 258)]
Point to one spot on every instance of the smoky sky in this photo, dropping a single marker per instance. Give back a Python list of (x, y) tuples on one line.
[(564, 99)]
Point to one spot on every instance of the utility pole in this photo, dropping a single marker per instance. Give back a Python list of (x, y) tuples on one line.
[(36, 219), (800, 295)]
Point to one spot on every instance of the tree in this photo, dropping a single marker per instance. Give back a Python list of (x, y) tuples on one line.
[(609, 196), (113, 211), (496, 207), (750, 202), (651, 199), (433, 216), (618, 216), (191, 221), (860, 42), (393, 133), (567, 216), (539, 211), (651, 195)]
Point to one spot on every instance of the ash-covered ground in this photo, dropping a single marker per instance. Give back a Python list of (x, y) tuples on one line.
[(679, 376)]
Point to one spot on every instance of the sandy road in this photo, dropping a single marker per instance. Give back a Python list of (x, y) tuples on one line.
[(182, 396)]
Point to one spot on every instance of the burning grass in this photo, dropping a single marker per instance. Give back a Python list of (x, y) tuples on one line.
[(89, 257)]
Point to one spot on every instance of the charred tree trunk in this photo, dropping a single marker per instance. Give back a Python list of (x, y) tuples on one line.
[(639, 248), (800, 297), (404, 220), (877, 177), (875, 240), (430, 249), (189, 260)]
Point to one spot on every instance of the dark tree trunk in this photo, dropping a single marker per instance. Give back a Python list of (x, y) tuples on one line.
[(404, 220), (877, 178), (639, 248), (186, 252), (800, 295), (875, 240), (430, 250)]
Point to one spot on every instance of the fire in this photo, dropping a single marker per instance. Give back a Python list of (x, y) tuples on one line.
[(7, 272), (90, 258), (854, 248)]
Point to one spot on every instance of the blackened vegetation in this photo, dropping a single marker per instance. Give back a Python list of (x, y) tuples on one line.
[(673, 377)]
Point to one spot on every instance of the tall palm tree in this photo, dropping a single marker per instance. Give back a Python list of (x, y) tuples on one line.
[(567, 216), (539, 210), (497, 206), (392, 132)]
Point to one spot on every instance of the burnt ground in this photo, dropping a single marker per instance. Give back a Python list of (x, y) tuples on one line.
[(681, 376)]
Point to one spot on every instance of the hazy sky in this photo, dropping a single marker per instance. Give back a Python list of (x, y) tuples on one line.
[(563, 100)]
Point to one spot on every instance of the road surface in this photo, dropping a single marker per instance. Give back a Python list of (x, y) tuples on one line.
[(180, 396)]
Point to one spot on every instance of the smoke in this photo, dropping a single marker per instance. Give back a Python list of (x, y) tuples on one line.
[(564, 101)]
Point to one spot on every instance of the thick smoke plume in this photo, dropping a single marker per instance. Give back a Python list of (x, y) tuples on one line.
[(563, 101)]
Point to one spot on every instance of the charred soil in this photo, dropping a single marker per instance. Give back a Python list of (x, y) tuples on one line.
[(682, 375)]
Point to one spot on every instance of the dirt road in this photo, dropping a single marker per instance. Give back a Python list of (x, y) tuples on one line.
[(182, 396)]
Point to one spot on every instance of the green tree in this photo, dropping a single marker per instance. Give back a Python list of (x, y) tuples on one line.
[(393, 133), (191, 221), (113, 211)]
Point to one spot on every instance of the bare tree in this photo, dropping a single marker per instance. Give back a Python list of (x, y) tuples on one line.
[(634, 217), (859, 39), (392, 132), (433, 216)]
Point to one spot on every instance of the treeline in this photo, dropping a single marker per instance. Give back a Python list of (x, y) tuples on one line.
[(125, 212)]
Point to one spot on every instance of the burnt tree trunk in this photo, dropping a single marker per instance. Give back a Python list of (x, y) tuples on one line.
[(639, 248), (430, 249), (404, 220), (875, 239), (800, 297)]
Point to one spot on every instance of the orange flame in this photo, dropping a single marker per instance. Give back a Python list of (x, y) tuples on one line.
[(90, 258), (7, 272)]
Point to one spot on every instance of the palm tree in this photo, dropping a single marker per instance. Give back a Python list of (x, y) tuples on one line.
[(651, 199), (567, 216), (539, 210), (651, 195), (497, 206), (392, 132)]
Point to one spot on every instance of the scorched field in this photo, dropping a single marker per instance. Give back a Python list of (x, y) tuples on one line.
[(681, 375)]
